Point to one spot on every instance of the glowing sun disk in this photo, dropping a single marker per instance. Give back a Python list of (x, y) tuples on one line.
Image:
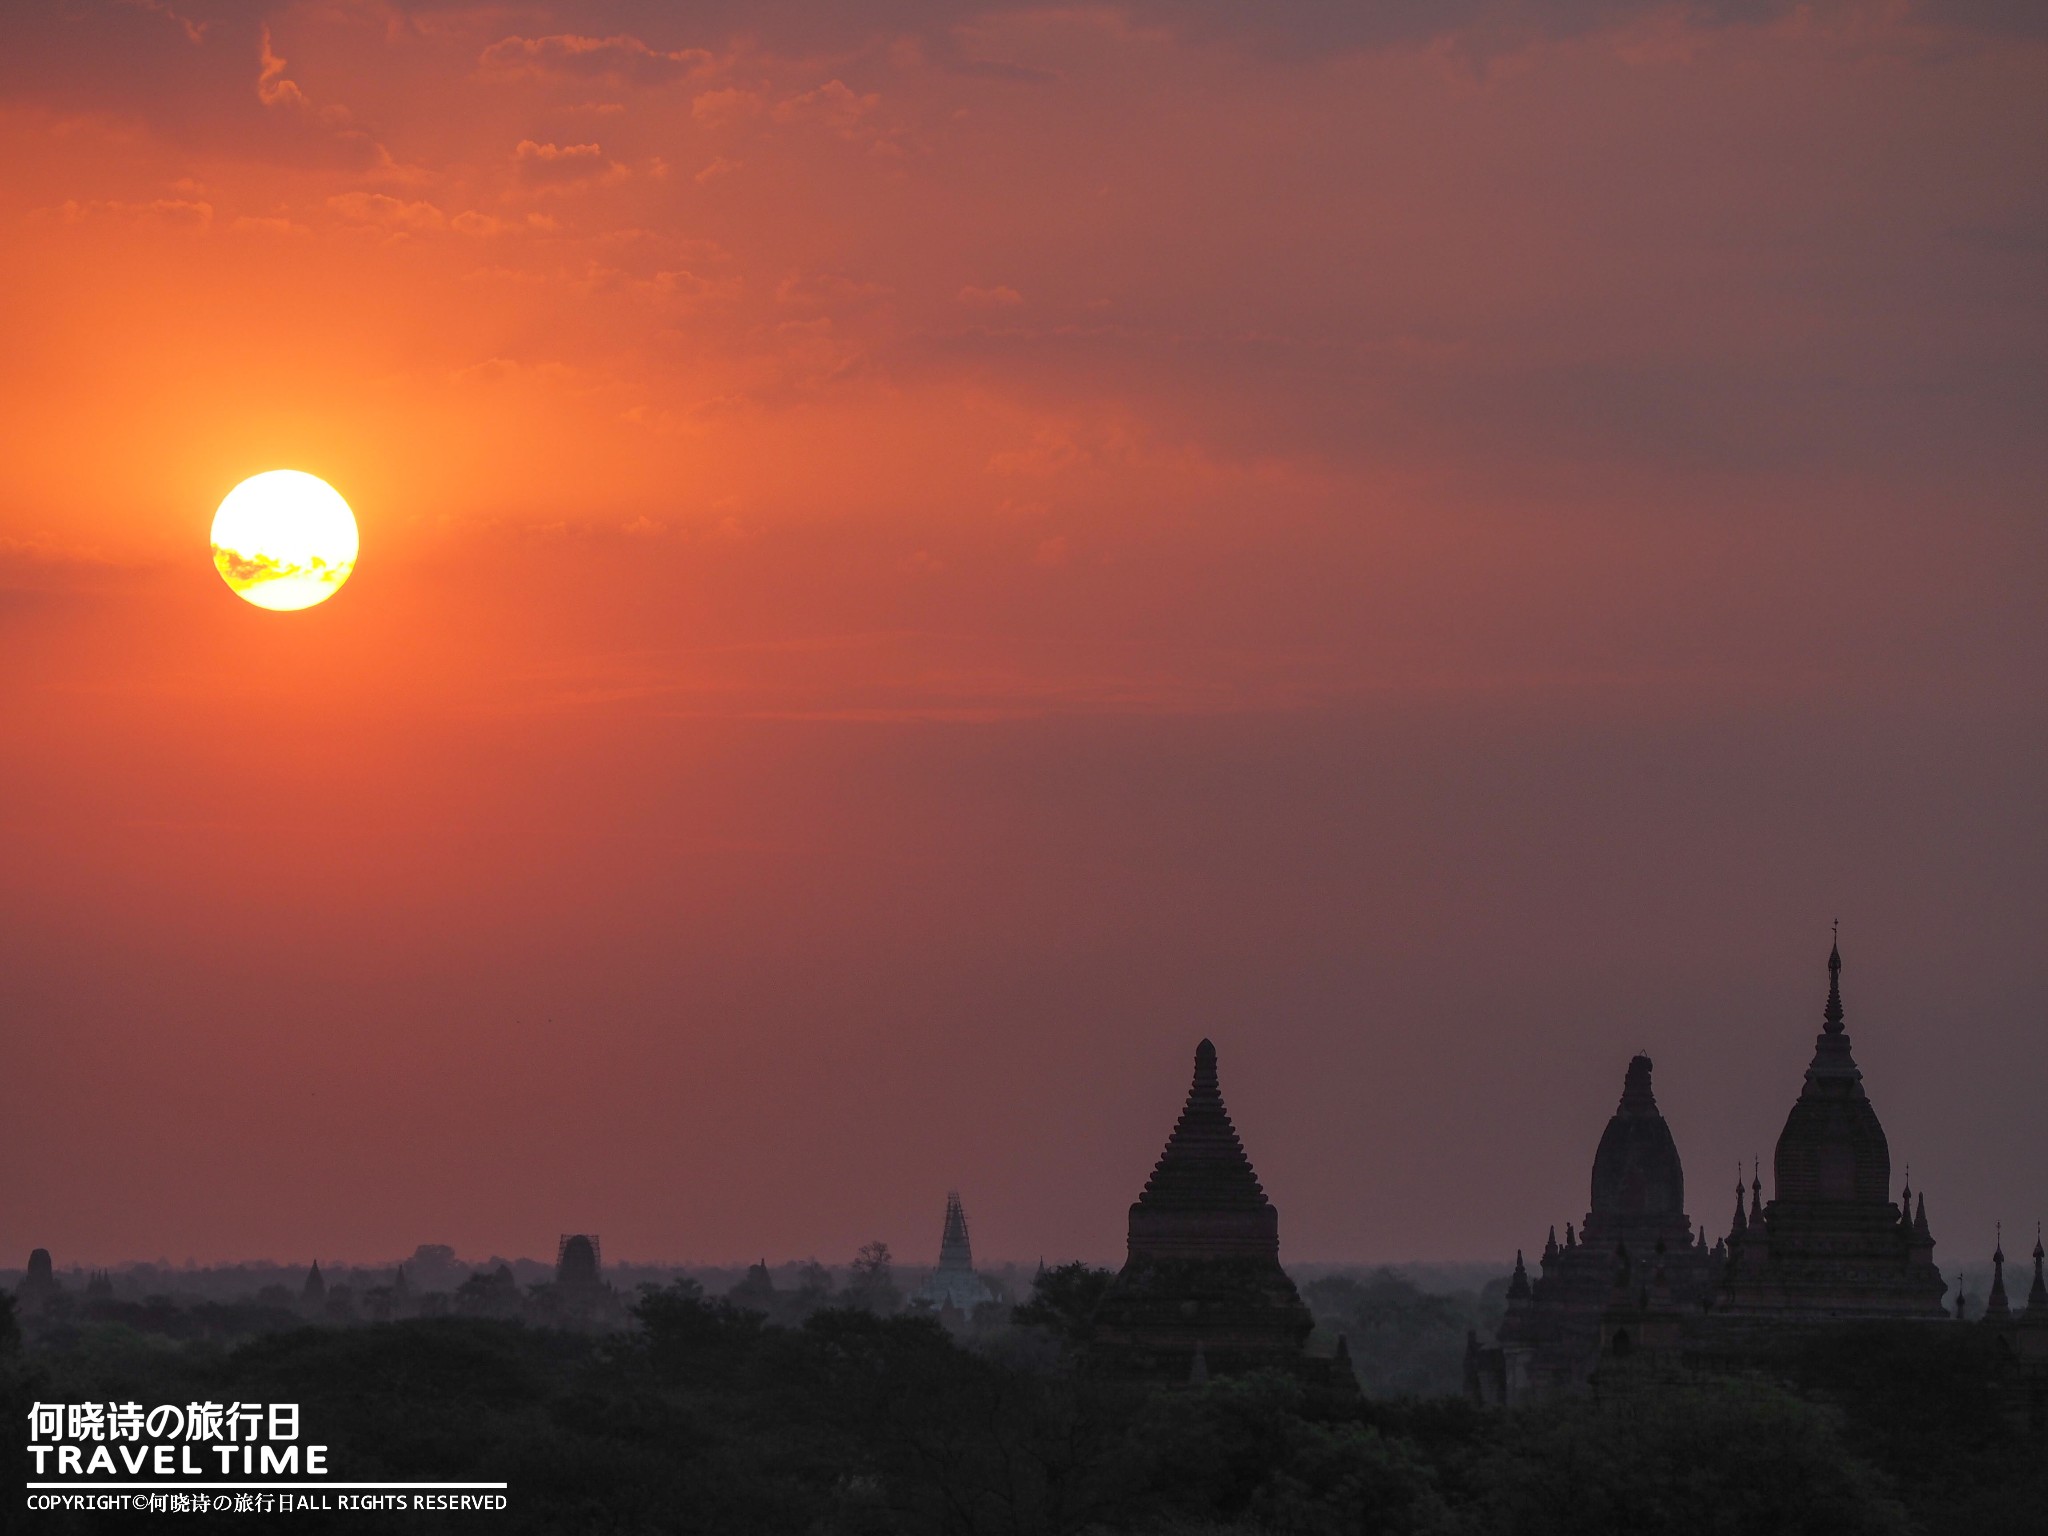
[(284, 540)]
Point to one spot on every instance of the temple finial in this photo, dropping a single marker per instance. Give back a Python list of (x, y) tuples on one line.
[(1831, 1016), (1996, 1307)]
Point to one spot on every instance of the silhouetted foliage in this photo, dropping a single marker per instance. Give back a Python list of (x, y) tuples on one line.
[(871, 1281), (1404, 1341), (1063, 1300), (708, 1416)]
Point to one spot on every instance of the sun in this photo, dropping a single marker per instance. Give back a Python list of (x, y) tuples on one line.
[(284, 540)]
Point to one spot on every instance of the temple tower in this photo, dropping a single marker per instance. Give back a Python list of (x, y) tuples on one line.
[(1551, 1338), (1998, 1309), (954, 1283), (1202, 1291), (577, 1261), (1832, 1244), (39, 1288)]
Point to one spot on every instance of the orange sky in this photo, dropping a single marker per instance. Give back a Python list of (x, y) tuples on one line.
[(918, 558)]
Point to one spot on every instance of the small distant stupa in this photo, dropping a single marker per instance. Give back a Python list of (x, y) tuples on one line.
[(39, 1285), (577, 1261), (954, 1283)]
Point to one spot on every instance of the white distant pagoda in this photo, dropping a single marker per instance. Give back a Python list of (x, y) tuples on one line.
[(954, 1283)]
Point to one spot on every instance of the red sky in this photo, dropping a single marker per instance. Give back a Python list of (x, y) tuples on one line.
[(918, 558)]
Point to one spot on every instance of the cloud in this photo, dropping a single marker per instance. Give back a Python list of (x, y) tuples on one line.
[(833, 105), (827, 291), (389, 212), (998, 297), (176, 212), (720, 109), (563, 165), (188, 80), (621, 60), (272, 88), (685, 291), (484, 225)]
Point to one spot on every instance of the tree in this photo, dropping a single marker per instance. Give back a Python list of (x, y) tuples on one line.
[(1063, 1301), (871, 1285)]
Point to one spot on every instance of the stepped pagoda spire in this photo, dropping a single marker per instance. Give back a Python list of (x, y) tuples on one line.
[(954, 1283), (1203, 1199), (1203, 1268), (2037, 1298), (954, 1250)]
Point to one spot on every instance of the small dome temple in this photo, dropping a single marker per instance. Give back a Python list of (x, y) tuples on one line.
[(1832, 1244), (1202, 1292), (1637, 1227), (1638, 1185)]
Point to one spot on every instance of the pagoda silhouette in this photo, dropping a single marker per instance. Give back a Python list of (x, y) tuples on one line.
[(1635, 1294), (1832, 1243), (954, 1289), (1201, 1291)]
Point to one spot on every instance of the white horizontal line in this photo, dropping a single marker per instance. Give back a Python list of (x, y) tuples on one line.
[(110, 1487)]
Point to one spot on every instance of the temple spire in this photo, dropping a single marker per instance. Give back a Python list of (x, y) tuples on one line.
[(1204, 1166), (1832, 1016), (954, 1250), (2037, 1298), (1998, 1308), (1518, 1287)]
